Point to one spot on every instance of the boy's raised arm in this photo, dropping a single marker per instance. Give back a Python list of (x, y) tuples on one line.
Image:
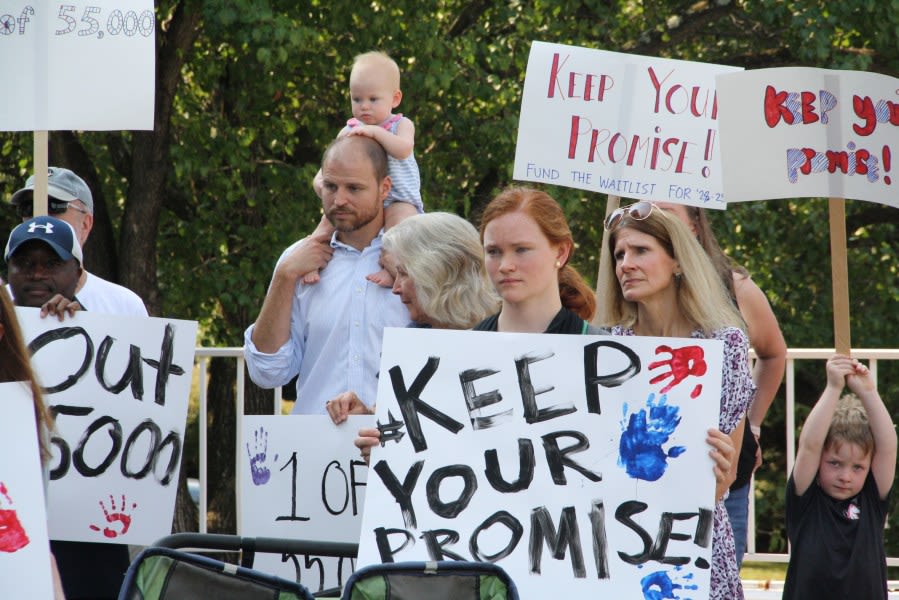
[(883, 463), (814, 431)]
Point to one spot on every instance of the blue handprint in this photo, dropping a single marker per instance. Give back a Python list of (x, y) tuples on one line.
[(640, 450), (258, 469), (659, 586)]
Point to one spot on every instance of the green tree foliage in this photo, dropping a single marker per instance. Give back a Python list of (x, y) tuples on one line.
[(194, 214)]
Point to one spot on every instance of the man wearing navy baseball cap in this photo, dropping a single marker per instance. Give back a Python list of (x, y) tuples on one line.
[(70, 199), (44, 259)]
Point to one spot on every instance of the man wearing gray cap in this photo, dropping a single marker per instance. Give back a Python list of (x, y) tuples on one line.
[(71, 201)]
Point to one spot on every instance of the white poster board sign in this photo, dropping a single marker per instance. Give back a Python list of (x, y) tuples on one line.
[(576, 463), (621, 124), (119, 389), (77, 64), (801, 132), (24, 547), (301, 477)]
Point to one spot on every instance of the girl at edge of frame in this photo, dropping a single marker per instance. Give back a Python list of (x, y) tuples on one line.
[(15, 366)]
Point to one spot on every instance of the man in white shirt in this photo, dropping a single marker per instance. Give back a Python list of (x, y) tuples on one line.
[(330, 332), (71, 201)]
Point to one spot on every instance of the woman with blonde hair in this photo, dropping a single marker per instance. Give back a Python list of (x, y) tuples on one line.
[(661, 283), (765, 338)]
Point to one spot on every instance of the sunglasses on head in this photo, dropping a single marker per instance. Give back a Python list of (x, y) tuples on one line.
[(638, 211), (54, 207)]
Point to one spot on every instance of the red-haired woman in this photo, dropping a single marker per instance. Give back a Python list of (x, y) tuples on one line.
[(527, 248)]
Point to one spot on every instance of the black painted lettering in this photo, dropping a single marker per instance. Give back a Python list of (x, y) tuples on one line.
[(293, 463), (173, 439), (666, 533), (411, 404), (543, 530), (134, 373), (623, 515), (516, 531), (600, 539), (340, 567), (703, 535), (315, 561), (65, 453), (526, 461), (346, 488), (436, 539), (451, 509), (115, 435), (592, 378), (164, 366), (477, 402), (64, 333), (557, 458), (402, 492), (355, 483), (382, 540), (155, 435), (532, 414)]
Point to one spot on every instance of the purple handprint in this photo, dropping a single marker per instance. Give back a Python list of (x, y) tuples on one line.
[(258, 468)]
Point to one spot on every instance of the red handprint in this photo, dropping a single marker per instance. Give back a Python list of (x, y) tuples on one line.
[(121, 518), (683, 362), (12, 534)]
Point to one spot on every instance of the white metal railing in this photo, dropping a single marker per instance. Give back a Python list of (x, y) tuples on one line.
[(872, 356), (202, 356)]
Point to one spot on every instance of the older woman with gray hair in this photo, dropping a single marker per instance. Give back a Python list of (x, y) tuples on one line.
[(439, 271), (437, 262)]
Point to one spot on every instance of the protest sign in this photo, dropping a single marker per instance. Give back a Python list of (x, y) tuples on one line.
[(801, 132), (576, 463), (24, 547), (301, 477), (118, 388), (621, 124), (85, 65)]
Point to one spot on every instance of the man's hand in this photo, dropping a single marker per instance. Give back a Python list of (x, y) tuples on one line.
[(345, 404), (59, 306), (309, 256)]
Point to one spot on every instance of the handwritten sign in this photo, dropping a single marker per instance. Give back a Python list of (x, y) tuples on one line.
[(118, 388), (800, 132), (78, 64), (24, 548), (621, 124), (301, 477), (577, 463)]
